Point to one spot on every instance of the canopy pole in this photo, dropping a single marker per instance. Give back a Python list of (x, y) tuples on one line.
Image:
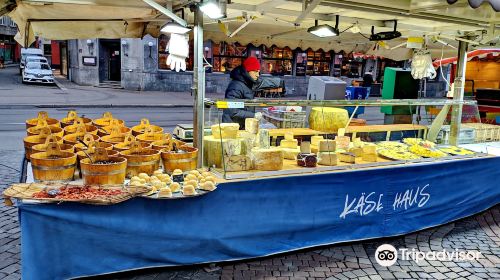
[(458, 95), (198, 85)]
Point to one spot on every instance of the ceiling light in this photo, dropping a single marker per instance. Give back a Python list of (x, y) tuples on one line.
[(173, 27), (324, 30), (211, 9)]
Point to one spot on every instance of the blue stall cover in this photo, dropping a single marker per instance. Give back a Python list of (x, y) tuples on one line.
[(252, 218)]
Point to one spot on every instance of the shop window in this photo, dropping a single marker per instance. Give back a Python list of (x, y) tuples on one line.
[(317, 63), (163, 54), (277, 61), (227, 56), (3, 20)]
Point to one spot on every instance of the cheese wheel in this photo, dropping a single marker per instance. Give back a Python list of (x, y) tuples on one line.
[(327, 158), (252, 125), (216, 149), (327, 146), (328, 119), (315, 140), (267, 159), (225, 130), (289, 143)]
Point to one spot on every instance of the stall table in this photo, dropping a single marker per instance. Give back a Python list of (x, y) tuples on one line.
[(253, 218)]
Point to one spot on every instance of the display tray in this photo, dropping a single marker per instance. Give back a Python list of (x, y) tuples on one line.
[(178, 195), (290, 167)]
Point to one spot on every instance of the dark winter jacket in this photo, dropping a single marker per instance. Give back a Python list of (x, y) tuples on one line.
[(240, 87)]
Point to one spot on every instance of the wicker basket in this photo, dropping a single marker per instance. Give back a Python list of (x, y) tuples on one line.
[(484, 132)]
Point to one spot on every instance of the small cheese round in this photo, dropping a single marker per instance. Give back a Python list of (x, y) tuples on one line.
[(194, 172), (207, 186), (210, 178), (188, 190), (177, 172), (158, 172), (165, 192), (193, 183), (190, 177), (175, 187), (135, 178), (206, 174), (143, 176)]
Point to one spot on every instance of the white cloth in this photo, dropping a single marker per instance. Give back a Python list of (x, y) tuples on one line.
[(178, 47), (421, 65)]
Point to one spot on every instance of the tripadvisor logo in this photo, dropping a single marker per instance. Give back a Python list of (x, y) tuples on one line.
[(386, 255)]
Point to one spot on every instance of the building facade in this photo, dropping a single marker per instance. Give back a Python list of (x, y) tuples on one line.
[(9, 49), (140, 64)]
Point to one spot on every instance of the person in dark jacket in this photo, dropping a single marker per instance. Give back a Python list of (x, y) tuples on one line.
[(243, 78)]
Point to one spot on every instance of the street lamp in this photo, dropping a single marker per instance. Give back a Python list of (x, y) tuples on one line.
[(150, 45), (90, 46)]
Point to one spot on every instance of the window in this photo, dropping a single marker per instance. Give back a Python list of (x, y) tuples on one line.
[(277, 61), (318, 63), (227, 56), (3, 20)]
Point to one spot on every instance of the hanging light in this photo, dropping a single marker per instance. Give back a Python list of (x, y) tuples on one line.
[(173, 27), (211, 9), (325, 30)]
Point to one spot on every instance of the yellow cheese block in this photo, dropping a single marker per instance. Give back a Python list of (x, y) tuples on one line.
[(370, 157), (315, 140), (252, 125), (290, 153), (326, 158), (293, 143), (342, 142), (305, 147), (327, 146), (369, 149), (347, 157), (358, 152), (225, 130), (328, 119), (267, 159), (288, 135), (249, 141)]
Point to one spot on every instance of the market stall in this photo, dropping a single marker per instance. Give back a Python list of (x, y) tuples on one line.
[(235, 194)]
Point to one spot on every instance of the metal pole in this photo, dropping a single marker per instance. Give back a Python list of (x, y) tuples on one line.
[(458, 95), (198, 85)]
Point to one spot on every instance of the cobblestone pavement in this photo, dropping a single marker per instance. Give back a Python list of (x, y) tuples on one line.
[(346, 261)]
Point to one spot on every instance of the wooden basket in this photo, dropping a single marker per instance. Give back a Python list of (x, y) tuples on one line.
[(127, 142), (141, 160), (167, 142), (141, 128), (53, 165), (52, 139), (103, 174), (79, 122), (42, 115), (115, 137), (106, 130), (72, 139), (184, 161), (106, 120), (87, 138), (35, 130), (149, 136), (30, 141), (72, 117)]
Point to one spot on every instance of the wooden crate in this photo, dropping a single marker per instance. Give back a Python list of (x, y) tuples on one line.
[(484, 132)]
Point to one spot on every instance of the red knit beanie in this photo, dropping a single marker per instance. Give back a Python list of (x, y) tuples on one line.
[(251, 64)]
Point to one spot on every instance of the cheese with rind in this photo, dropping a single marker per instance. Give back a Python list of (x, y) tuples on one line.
[(263, 141), (290, 153), (328, 119), (267, 159), (293, 143), (238, 163), (327, 158), (225, 130), (252, 125), (327, 146)]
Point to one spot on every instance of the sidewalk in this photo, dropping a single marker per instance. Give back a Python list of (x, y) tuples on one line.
[(14, 94)]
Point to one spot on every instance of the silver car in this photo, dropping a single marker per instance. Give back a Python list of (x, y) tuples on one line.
[(36, 72)]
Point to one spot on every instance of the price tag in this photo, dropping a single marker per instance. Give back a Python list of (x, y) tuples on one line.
[(230, 105)]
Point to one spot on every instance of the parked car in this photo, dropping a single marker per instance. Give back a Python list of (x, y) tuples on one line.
[(34, 58), (25, 52), (36, 72)]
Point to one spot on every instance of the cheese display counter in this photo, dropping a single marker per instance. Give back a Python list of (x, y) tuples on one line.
[(309, 188)]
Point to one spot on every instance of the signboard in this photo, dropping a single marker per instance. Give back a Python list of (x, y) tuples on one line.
[(89, 60)]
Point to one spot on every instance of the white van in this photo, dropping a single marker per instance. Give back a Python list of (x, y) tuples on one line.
[(28, 52)]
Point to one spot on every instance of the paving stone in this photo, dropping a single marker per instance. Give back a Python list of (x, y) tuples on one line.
[(401, 274)]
